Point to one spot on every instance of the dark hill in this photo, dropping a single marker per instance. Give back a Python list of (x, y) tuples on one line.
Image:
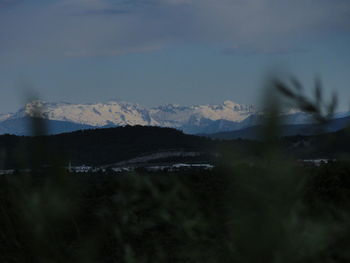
[(22, 126), (328, 145), (253, 133), (99, 146), (111, 145)]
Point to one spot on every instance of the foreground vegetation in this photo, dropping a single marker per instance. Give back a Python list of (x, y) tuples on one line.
[(269, 212)]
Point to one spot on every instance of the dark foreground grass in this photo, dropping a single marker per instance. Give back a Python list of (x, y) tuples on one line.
[(267, 212)]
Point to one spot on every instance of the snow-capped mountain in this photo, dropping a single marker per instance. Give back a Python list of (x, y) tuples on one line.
[(5, 116), (189, 118), (227, 116), (99, 114), (177, 116)]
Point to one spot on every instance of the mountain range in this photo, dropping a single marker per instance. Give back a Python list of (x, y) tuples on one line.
[(197, 119)]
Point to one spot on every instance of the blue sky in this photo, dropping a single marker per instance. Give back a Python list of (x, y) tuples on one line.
[(169, 51)]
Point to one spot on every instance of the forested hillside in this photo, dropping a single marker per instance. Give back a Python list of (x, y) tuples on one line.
[(110, 145)]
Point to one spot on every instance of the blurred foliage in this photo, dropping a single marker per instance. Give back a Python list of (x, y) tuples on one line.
[(267, 212), (266, 209), (321, 110)]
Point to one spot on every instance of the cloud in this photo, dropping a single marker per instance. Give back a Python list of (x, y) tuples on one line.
[(105, 7), (245, 50), (91, 7), (269, 24), (92, 27), (110, 52), (8, 3)]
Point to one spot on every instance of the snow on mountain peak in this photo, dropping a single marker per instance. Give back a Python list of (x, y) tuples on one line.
[(5, 116), (125, 113), (191, 119), (230, 104)]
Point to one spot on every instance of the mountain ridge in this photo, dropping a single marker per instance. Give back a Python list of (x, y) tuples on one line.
[(308, 129), (195, 119), (125, 113)]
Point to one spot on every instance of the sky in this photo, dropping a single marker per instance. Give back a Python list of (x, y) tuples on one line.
[(154, 52)]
